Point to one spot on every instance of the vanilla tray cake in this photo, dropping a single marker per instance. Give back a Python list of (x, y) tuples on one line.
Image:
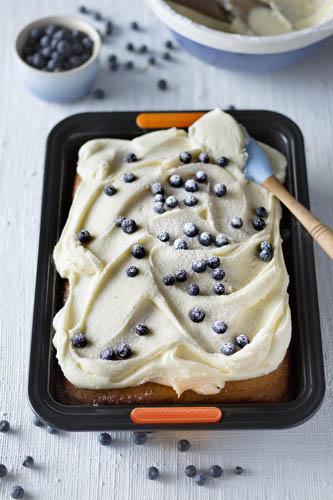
[(177, 286)]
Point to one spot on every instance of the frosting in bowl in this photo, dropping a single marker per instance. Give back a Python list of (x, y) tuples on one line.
[(106, 304)]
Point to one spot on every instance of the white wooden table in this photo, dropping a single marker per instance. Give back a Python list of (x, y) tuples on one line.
[(293, 464)]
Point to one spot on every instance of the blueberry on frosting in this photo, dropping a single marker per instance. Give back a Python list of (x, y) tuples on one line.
[(110, 190), (131, 158), (163, 236), (222, 161), (213, 262), (153, 473), (237, 222), (181, 275), (168, 279), (132, 271), (108, 354), (201, 176), (242, 340), (138, 251), (199, 266), (190, 470), (191, 186), (258, 223), (79, 340), (128, 226), (193, 289), (190, 200), (203, 157), (261, 212), (123, 350), (129, 177), (157, 188), (221, 240), (205, 239), (228, 348), (215, 471), (175, 181), (218, 274), (190, 229), (197, 315), (185, 157), (171, 202), (141, 329), (180, 244), (266, 251), (219, 327), (159, 207), (219, 289), (84, 236), (119, 220), (220, 189), (159, 198)]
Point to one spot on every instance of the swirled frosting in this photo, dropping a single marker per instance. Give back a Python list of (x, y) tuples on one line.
[(105, 303)]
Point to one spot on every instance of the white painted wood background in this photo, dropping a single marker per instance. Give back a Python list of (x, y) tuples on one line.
[(293, 464)]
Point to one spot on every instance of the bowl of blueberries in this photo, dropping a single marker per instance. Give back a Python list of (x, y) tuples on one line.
[(58, 57)]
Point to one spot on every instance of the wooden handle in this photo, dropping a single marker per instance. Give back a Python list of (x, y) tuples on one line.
[(321, 233), (167, 120)]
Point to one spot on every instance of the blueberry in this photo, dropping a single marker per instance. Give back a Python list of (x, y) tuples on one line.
[(168, 279), (45, 41), (190, 470), (87, 43), (190, 229), (220, 189), (180, 244), (153, 473), (112, 58), (191, 186), (51, 430), (110, 190), (239, 470), (219, 289), (261, 212), (129, 177), (266, 245), (228, 348), (258, 223), (99, 94), (157, 188), (143, 49), (129, 65), (38, 61), (169, 44), (193, 289), (163, 236), (201, 176), (175, 181), (131, 158), (50, 29), (190, 200), (242, 340), (200, 479), (199, 266), (104, 439), (64, 48), (138, 251), (218, 274), (141, 329), (183, 445), (166, 56), (265, 255), (79, 340), (171, 202), (134, 26), (213, 262), (107, 354), (36, 33), (119, 220), (17, 491), (130, 47), (215, 471), (221, 240), (197, 315), (185, 157), (123, 350), (206, 239), (28, 462), (97, 16), (181, 275), (78, 49), (222, 161), (219, 327), (152, 60), (4, 426), (159, 197), (139, 437), (162, 84), (83, 9), (37, 422), (128, 226), (3, 470), (204, 157), (237, 222), (132, 271), (108, 27), (75, 61), (159, 207)]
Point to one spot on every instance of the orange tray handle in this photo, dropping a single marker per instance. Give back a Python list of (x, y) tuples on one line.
[(167, 120), (176, 415)]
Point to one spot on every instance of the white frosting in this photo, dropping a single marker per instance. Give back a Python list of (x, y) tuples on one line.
[(105, 303)]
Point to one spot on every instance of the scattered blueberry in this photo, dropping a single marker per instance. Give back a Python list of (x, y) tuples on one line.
[(181, 275), (162, 84), (190, 470), (185, 157), (219, 327), (201, 176), (163, 236), (242, 340), (131, 158), (134, 26), (237, 222), (123, 350), (159, 207), (203, 157), (219, 288), (258, 223), (51, 430), (108, 354), (132, 271), (190, 200), (190, 229), (17, 491), (221, 240), (183, 445), (37, 422), (143, 49), (180, 244), (168, 279), (218, 274), (206, 239), (166, 56), (197, 315), (129, 65), (191, 186), (199, 266), (199, 479), (139, 437), (28, 462), (152, 60), (193, 289), (83, 9), (261, 212), (239, 470), (220, 189), (175, 181), (157, 188), (112, 58), (99, 94), (97, 16), (265, 255), (153, 473), (128, 226), (129, 177), (141, 329), (4, 426), (215, 471), (222, 161), (119, 220), (171, 202), (228, 348), (84, 236), (130, 47), (138, 251), (79, 340), (169, 44), (3, 470), (110, 190), (104, 439), (266, 245), (159, 197), (213, 262)]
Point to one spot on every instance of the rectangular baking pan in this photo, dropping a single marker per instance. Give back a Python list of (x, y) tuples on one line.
[(63, 144)]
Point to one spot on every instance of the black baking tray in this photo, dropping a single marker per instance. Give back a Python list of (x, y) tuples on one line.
[(63, 144)]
